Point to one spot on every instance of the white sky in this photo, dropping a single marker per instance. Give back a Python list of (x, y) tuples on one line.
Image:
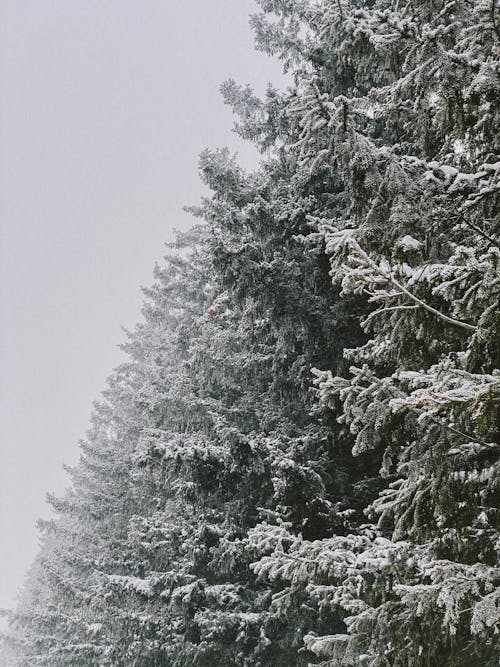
[(105, 107)]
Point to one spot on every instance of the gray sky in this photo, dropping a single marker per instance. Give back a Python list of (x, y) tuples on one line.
[(106, 105)]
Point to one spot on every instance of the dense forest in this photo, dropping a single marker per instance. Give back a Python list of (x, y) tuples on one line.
[(298, 463)]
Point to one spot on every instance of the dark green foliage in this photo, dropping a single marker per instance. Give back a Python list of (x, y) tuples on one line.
[(236, 506)]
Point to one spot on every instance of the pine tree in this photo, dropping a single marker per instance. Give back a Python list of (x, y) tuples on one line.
[(413, 142), (299, 462)]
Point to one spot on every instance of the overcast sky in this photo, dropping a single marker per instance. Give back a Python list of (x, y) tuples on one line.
[(105, 107)]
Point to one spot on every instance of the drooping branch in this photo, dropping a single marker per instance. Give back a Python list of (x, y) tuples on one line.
[(410, 295)]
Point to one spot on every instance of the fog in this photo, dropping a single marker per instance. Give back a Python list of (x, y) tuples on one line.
[(105, 108)]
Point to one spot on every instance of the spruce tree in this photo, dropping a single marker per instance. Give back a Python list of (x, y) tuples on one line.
[(413, 142), (299, 462)]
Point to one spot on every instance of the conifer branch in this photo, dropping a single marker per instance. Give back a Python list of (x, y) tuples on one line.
[(460, 216), (410, 295)]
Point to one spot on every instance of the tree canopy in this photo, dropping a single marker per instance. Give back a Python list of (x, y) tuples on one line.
[(298, 463)]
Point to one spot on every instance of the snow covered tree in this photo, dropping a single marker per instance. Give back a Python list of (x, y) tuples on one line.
[(413, 142), (299, 462)]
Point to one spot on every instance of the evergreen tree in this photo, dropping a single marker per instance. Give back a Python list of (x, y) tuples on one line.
[(413, 142), (299, 462)]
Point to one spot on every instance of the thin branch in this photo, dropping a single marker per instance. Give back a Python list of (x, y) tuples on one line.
[(467, 436), (410, 295), (401, 307), (477, 229), (385, 310), (377, 296)]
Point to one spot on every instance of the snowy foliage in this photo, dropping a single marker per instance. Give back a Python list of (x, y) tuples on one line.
[(298, 464)]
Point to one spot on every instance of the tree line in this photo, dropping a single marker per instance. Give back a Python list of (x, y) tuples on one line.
[(298, 462)]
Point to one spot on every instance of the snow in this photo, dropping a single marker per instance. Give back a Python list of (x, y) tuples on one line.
[(141, 586), (408, 244)]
